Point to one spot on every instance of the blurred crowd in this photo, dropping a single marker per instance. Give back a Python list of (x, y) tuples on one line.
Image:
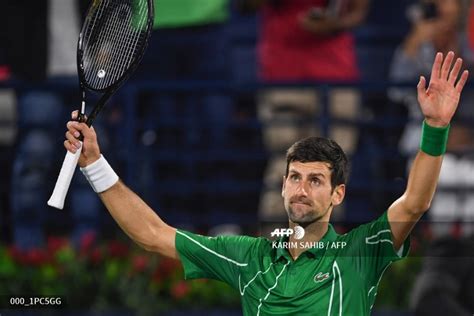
[(212, 158)]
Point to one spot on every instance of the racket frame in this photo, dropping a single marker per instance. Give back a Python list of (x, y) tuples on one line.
[(70, 161), (109, 90)]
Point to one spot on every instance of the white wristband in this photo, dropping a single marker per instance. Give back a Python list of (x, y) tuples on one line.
[(100, 175)]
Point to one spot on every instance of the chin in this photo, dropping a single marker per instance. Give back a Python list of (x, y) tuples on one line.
[(302, 218)]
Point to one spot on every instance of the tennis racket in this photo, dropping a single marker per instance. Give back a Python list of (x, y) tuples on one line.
[(111, 44)]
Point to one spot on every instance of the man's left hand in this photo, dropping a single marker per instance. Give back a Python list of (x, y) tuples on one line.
[(440, 101)]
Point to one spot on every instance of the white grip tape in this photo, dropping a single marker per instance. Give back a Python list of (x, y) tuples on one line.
[(100, 175), (64, 179)]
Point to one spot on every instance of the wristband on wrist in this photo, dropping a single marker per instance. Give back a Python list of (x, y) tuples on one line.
[(100, 175), (434, 139)]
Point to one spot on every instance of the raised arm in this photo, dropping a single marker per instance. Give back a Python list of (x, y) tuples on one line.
[(438, 104), (130, 212)]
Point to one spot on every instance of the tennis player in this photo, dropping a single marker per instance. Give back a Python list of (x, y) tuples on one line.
[(336, 274)]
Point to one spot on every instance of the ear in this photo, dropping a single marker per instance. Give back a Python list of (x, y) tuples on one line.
[(283, 187), (338, 194)]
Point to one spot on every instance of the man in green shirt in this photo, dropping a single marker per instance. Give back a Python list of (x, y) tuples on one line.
[(310, 270)]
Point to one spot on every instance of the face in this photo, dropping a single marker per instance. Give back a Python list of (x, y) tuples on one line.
[(307, 192)]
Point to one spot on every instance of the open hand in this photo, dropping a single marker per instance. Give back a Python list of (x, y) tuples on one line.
[(440, 101)]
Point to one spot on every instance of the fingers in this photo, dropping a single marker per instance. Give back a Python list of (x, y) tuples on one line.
[(446, 65), (453, 75), (70, 147), (71, 143), (77, 128), (75, 116), (462, 81), (441, 69), (435, 70), (71, 136), (421, 87), (72, 127)]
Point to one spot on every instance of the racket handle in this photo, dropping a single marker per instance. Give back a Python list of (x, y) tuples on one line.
[(64, 179)]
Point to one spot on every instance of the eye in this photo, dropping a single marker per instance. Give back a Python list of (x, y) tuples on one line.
[(294, 177), (315, 181)]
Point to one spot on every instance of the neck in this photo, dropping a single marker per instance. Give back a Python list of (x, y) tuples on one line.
[(314, 232)]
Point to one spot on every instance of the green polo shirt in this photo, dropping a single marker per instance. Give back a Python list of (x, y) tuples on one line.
[(337, 276)]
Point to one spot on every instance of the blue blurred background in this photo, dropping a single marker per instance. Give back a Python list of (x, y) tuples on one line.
[(199, 131)]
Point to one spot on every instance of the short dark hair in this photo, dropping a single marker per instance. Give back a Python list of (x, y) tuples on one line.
[(322, 149)]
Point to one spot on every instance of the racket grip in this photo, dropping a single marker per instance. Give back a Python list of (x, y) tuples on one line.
[(64, 179)]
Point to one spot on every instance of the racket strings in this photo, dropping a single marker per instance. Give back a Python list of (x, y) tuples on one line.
[(128, 55), (115, 49), (91, 49), (113, 38), (119, 55), (110, 47)]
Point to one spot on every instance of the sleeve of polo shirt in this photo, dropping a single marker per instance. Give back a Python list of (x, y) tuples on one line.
[(219, 258), (373, 246)]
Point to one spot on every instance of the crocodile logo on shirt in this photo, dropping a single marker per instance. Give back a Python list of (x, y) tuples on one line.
[(320, 277)]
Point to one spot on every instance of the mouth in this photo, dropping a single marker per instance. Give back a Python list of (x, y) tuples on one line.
[(300, 203)]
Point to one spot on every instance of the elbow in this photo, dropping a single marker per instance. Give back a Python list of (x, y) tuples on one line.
[(146, 245), (159, 239), (417, 206), (420, 209), (150, 242), (149, 247)]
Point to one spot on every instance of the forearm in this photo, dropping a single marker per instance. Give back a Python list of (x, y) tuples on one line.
[(131, 213), (422, 182), (438, 103), (409, 208), (138, 220)]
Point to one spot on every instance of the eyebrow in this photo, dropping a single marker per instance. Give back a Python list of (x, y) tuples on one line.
[(312, 174)]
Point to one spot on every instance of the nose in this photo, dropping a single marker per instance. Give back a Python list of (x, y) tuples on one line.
[(302, 188)]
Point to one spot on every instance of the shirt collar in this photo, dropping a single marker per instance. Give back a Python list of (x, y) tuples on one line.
[(330, 235)]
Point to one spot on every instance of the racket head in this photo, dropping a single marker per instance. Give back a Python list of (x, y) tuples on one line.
[(112, 42)]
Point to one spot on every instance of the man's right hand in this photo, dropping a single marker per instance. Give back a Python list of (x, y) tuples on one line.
[(90, 147), (130, 212)]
